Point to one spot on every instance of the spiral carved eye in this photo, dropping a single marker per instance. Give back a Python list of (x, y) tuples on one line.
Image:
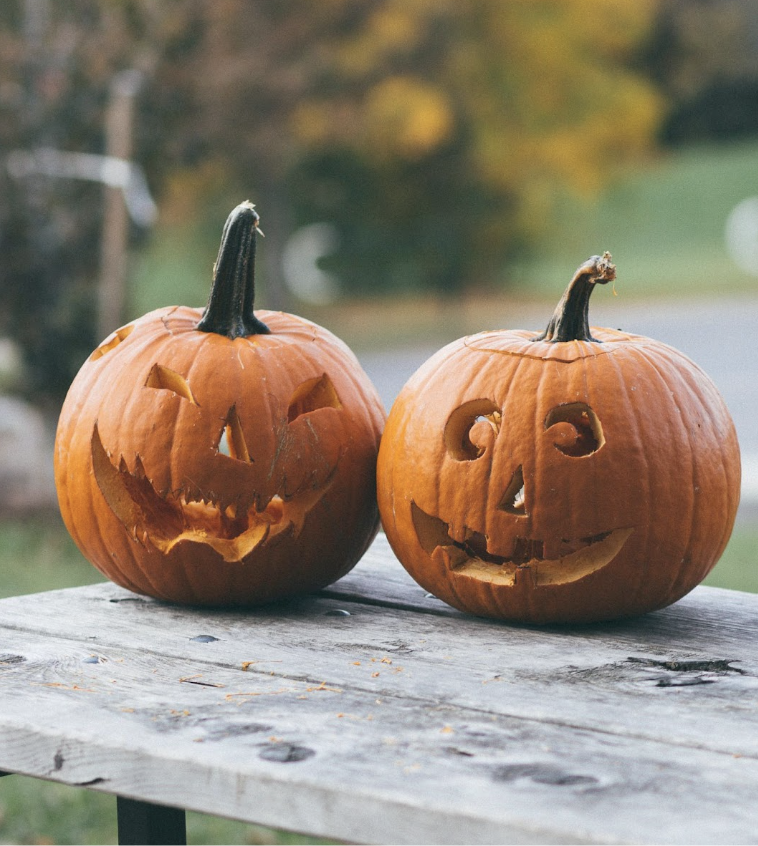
[(575, 429), (472, 428)]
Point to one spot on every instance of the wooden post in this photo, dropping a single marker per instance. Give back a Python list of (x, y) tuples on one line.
[(115, 238), (144, 823)]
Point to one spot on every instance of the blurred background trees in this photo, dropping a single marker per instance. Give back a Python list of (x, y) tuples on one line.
[(430, 139), (704, 58)]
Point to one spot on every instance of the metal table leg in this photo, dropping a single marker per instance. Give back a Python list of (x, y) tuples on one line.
[(145, 824)]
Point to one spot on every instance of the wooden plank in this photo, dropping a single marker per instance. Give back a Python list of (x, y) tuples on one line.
[(373, 712), (661, 677), (345, 763), (380, 579)]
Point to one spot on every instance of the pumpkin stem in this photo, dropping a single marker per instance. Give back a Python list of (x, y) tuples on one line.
[(570, 320), (230, 305)]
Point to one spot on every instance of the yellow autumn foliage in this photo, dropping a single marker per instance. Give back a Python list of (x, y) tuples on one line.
[(405, 116), (491, 109), (540, 88)]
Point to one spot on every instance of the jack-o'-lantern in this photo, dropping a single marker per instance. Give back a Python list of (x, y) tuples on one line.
[(572, 475), (221, 456)]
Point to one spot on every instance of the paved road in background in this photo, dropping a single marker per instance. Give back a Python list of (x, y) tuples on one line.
[(720, 334)]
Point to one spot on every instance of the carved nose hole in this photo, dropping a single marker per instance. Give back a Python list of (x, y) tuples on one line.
[(513, 501), (232, 439)]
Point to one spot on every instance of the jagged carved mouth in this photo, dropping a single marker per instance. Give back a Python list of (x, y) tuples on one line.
[(470, 557), (164, 521)]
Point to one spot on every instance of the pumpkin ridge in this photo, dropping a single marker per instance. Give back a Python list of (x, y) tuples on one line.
[(174, 474), (631, 412), (505, 411), (695, 485), (131, 349), (378, 412)]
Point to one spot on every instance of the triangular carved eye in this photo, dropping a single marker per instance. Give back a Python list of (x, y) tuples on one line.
[(232, 439), (312, 395), (165, 379)]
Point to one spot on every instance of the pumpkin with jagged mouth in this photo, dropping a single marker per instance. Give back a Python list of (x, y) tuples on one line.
[(222, 456), (232, 517), (569, 475)]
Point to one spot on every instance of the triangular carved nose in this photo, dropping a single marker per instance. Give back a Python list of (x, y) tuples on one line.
[(232, 439), (513, 500)]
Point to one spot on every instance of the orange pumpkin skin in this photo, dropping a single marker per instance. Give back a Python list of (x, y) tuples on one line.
[(203, 469), (547, 482)]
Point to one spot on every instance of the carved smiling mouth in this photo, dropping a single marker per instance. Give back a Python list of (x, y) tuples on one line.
[(165, 521), (471, 557)]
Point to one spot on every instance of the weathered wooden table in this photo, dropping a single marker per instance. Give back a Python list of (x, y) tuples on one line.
[(374, 713)]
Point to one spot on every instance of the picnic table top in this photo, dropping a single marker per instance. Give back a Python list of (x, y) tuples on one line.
[(372, 712)]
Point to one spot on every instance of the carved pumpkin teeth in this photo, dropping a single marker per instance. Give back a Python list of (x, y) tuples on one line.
[(232, 529), (471, 558)]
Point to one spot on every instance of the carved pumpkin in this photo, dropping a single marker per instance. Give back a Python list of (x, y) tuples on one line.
[(220, 457), (559, 477)]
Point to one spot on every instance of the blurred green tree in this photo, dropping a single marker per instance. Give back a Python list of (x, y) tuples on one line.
[(433, 134), (57, 60), (704, 58)]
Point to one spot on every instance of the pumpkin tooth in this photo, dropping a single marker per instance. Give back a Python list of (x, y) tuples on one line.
[(459, 534), (451, 556)]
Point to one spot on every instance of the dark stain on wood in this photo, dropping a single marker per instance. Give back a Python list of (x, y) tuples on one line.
[(541, 774), (719, 665), (237, 730), (286, 753)]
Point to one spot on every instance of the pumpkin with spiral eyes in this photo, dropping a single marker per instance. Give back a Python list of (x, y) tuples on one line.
[(224, 456), (567, 476)]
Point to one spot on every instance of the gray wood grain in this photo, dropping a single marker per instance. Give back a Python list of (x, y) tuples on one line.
[(401, 720)]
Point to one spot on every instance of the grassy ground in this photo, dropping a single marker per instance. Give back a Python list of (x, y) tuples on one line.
[(664, 226), (38, 812)]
